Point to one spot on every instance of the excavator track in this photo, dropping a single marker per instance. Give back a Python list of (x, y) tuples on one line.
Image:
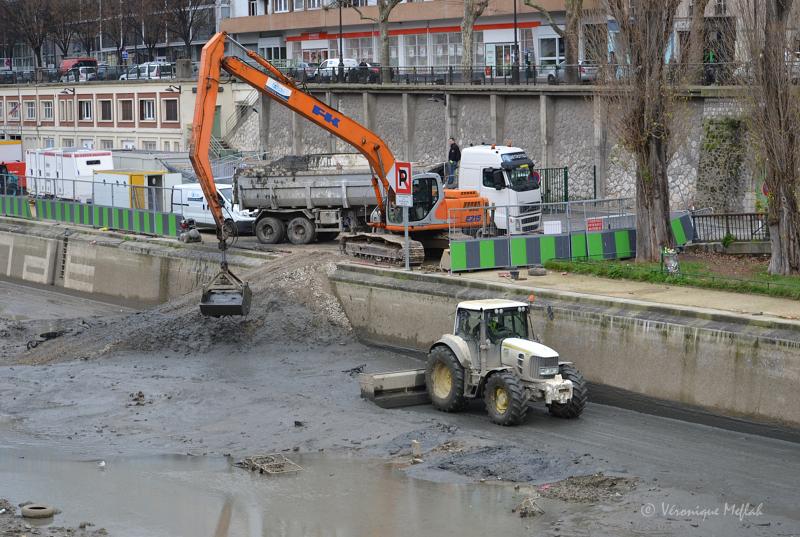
[(382, 248)]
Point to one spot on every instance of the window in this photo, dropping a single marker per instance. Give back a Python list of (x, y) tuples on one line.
[(30, 109), (126, 110), (416, 49), (149, 145), (720, 8), (359, 48), (13, 110), (48, 142), (47, 110), (299, 5), (551, 50), (281, 6), (105, 111), (67, 142), (468, 324), (147, 110), (88, 143), (252, 8), (84, 110), (1, 108), (447, 49), (313, 4), (176, 146), (65, 112), (166, 145), (170, 110), (106, 144)]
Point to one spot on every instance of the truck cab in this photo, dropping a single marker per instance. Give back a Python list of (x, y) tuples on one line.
[(505, 176)]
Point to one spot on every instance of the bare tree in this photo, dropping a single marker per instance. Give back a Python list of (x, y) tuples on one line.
[(641, 107), (64, 25), (34, 20), (183, 19), (87, 25), (149, 24), (116, 17), (385, 8), (9, 37), (771, 31), (570, 33), (472, 10)]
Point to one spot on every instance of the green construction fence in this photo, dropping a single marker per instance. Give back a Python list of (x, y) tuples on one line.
[(68, 212), (528, 250)]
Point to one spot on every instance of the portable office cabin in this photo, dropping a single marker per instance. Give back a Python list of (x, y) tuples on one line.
[(135, 189), (65, 173)]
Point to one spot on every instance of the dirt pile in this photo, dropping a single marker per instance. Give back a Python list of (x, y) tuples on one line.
[(292, 303), (588, 488)]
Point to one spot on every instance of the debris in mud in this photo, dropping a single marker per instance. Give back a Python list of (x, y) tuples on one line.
[(7, 508), (355, 371), (528, 508), (271, 464), (44, 336), (588, 488), (137, 399), (451, 446)]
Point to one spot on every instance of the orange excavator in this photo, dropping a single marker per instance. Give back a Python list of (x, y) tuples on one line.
[(432, 204)]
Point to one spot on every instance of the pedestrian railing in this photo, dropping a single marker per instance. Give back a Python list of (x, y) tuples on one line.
[(731, 227)]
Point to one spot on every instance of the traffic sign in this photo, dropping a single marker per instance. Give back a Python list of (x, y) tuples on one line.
[(402, 178), (125, 55)]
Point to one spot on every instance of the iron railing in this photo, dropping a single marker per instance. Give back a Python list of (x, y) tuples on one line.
[(730, 227)]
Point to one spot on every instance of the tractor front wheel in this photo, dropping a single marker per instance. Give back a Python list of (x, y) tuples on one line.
[(444, 380), (580, 394), (505, 399)]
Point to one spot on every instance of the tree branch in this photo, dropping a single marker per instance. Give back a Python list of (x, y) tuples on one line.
[(546, 14), (364, 17)]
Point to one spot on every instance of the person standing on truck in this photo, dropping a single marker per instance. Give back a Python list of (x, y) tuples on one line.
[(453, 159)]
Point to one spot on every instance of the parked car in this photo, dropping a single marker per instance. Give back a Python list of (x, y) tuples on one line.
[(303, 71), (67, 64), (80, 74), (149, 71), (587, 72), (327, 70), (365, 72)]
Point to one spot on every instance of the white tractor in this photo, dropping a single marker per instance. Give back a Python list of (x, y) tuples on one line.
[(490, 354)]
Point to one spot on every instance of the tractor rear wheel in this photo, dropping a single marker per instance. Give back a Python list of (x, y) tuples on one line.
[(580, 394), (444, 380), (505, 399)]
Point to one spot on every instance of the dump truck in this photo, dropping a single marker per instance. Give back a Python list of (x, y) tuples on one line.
[(491, 354), (304, 198)]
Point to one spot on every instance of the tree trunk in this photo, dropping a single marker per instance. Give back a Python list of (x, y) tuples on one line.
[(466, 46), (784, 229), (386, 70), (572, 31), (37, 52), (652, 200), (697, 43)]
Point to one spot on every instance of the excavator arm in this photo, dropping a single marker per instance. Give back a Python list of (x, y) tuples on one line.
[(283, 90)]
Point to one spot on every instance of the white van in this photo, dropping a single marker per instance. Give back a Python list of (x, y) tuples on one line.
[(188, 200)]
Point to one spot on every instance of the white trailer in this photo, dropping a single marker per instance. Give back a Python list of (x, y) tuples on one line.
[(135, 189), (65, 173)]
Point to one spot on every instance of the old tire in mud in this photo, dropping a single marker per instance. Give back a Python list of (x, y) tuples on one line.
[(505, 399), (270, 230), (580, 394), (300, 231), (35, 510), (444, 380)]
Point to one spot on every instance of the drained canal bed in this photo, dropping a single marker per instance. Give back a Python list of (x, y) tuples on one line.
[(184, 496)]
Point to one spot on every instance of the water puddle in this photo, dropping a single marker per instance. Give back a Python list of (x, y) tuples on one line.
[(184, 496)]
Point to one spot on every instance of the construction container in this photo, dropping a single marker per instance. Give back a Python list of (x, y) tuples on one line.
[(135, 189)]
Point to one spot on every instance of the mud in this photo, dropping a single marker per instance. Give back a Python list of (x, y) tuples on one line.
[(167, 381)]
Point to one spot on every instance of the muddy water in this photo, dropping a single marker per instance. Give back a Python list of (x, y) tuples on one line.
[(184, 496)]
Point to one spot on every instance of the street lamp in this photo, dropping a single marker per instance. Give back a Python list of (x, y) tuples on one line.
[(341, 54), (515, 60)]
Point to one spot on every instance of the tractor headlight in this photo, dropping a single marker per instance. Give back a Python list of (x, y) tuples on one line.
[(547, 371)]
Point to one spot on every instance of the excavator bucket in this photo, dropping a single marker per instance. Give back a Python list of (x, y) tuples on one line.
[(226, 295)]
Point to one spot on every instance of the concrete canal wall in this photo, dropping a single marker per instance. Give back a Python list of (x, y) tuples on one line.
[(731, 364)]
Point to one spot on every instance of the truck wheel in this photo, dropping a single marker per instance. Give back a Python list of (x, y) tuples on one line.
[(444, 380), (300, 230), (505, 399), (580, 394), (270, 230)]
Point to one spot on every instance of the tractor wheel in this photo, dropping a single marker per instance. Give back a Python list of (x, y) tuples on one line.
[(270, 230), (505, 399), (444, 379), (300, 231), (580, 394)]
